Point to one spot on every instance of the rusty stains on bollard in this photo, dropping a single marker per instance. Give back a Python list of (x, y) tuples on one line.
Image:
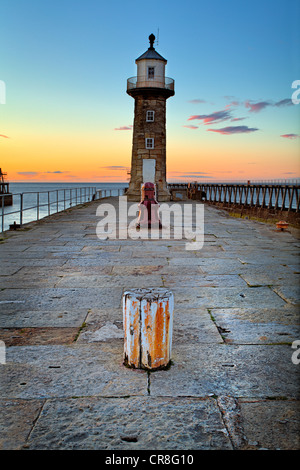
[(148, 326)]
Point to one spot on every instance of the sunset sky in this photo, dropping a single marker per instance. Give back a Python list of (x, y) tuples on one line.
[(65, 114)]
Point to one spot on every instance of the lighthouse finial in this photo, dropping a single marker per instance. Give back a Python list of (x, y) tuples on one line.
[(151, 39)]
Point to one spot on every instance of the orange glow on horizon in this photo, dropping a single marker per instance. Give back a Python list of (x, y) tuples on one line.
[(107, 158)]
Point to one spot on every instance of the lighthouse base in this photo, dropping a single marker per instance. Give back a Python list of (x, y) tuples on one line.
[(135, 196)]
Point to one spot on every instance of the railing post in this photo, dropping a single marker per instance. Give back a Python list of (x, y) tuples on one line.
[(297, 199), (57, 200), (291, 195), (270, 197), (2, 215), (48, 202), (283, 199), (37, 206), (21, 209)]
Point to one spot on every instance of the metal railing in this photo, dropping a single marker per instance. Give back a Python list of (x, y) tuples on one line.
[(37, 205), (145, 82), (276, 196)]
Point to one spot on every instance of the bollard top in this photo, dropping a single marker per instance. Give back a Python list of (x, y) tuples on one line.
[(149, 294)]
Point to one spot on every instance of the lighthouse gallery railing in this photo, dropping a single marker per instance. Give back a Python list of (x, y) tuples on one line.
[(145, 82)]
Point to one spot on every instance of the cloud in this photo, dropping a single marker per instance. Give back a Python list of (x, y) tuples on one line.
[(234, 130), (191, 174), (260, 105), (194, 172), (256, 107), (123, 128), (238, 119), (5, 136), (286, 102), (191, 127), (196, 101), (232, 103), (28, 173), (217, 116), (57, 172), (115, 167), (290, 136)]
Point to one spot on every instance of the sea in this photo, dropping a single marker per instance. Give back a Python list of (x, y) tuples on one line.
[(51, 197)]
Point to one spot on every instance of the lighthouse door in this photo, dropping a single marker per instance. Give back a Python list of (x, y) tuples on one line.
[(149, 170)]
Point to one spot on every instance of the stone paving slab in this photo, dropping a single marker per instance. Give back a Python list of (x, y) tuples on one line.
[(232, 383), (28, 336), (212, 297), (235, 370), (257, 325), (125, 424), (13, 317), (59, 298), (90, 281), (190, 280), (69, 371), (17, 419), (281, 423), (255, 278)]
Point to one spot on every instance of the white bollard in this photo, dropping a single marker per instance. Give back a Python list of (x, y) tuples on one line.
[(148, 326)]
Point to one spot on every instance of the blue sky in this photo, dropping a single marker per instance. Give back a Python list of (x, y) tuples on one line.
[(65, 65)]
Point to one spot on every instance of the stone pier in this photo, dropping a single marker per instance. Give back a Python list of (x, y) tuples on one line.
[(233, 382)]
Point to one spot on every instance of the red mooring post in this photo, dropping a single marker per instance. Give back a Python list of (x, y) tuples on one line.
[(149, 207)]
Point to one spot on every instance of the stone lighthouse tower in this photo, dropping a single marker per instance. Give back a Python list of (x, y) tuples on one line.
[(150, 90)]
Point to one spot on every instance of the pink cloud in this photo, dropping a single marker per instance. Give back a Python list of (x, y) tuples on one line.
[(123, 128), (5, 136), (191, 127), (234, 130), (237, 119), (256, 107), (232, 103), (217, 116), (290, 136)]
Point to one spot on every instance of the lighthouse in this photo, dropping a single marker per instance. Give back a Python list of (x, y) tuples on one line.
[(150, 90)]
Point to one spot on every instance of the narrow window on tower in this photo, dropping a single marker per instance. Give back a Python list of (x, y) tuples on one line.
[(150, 73), (150, 116), (149, 143)]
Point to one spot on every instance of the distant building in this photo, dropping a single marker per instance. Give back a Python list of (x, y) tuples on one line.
[(150, 90)]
